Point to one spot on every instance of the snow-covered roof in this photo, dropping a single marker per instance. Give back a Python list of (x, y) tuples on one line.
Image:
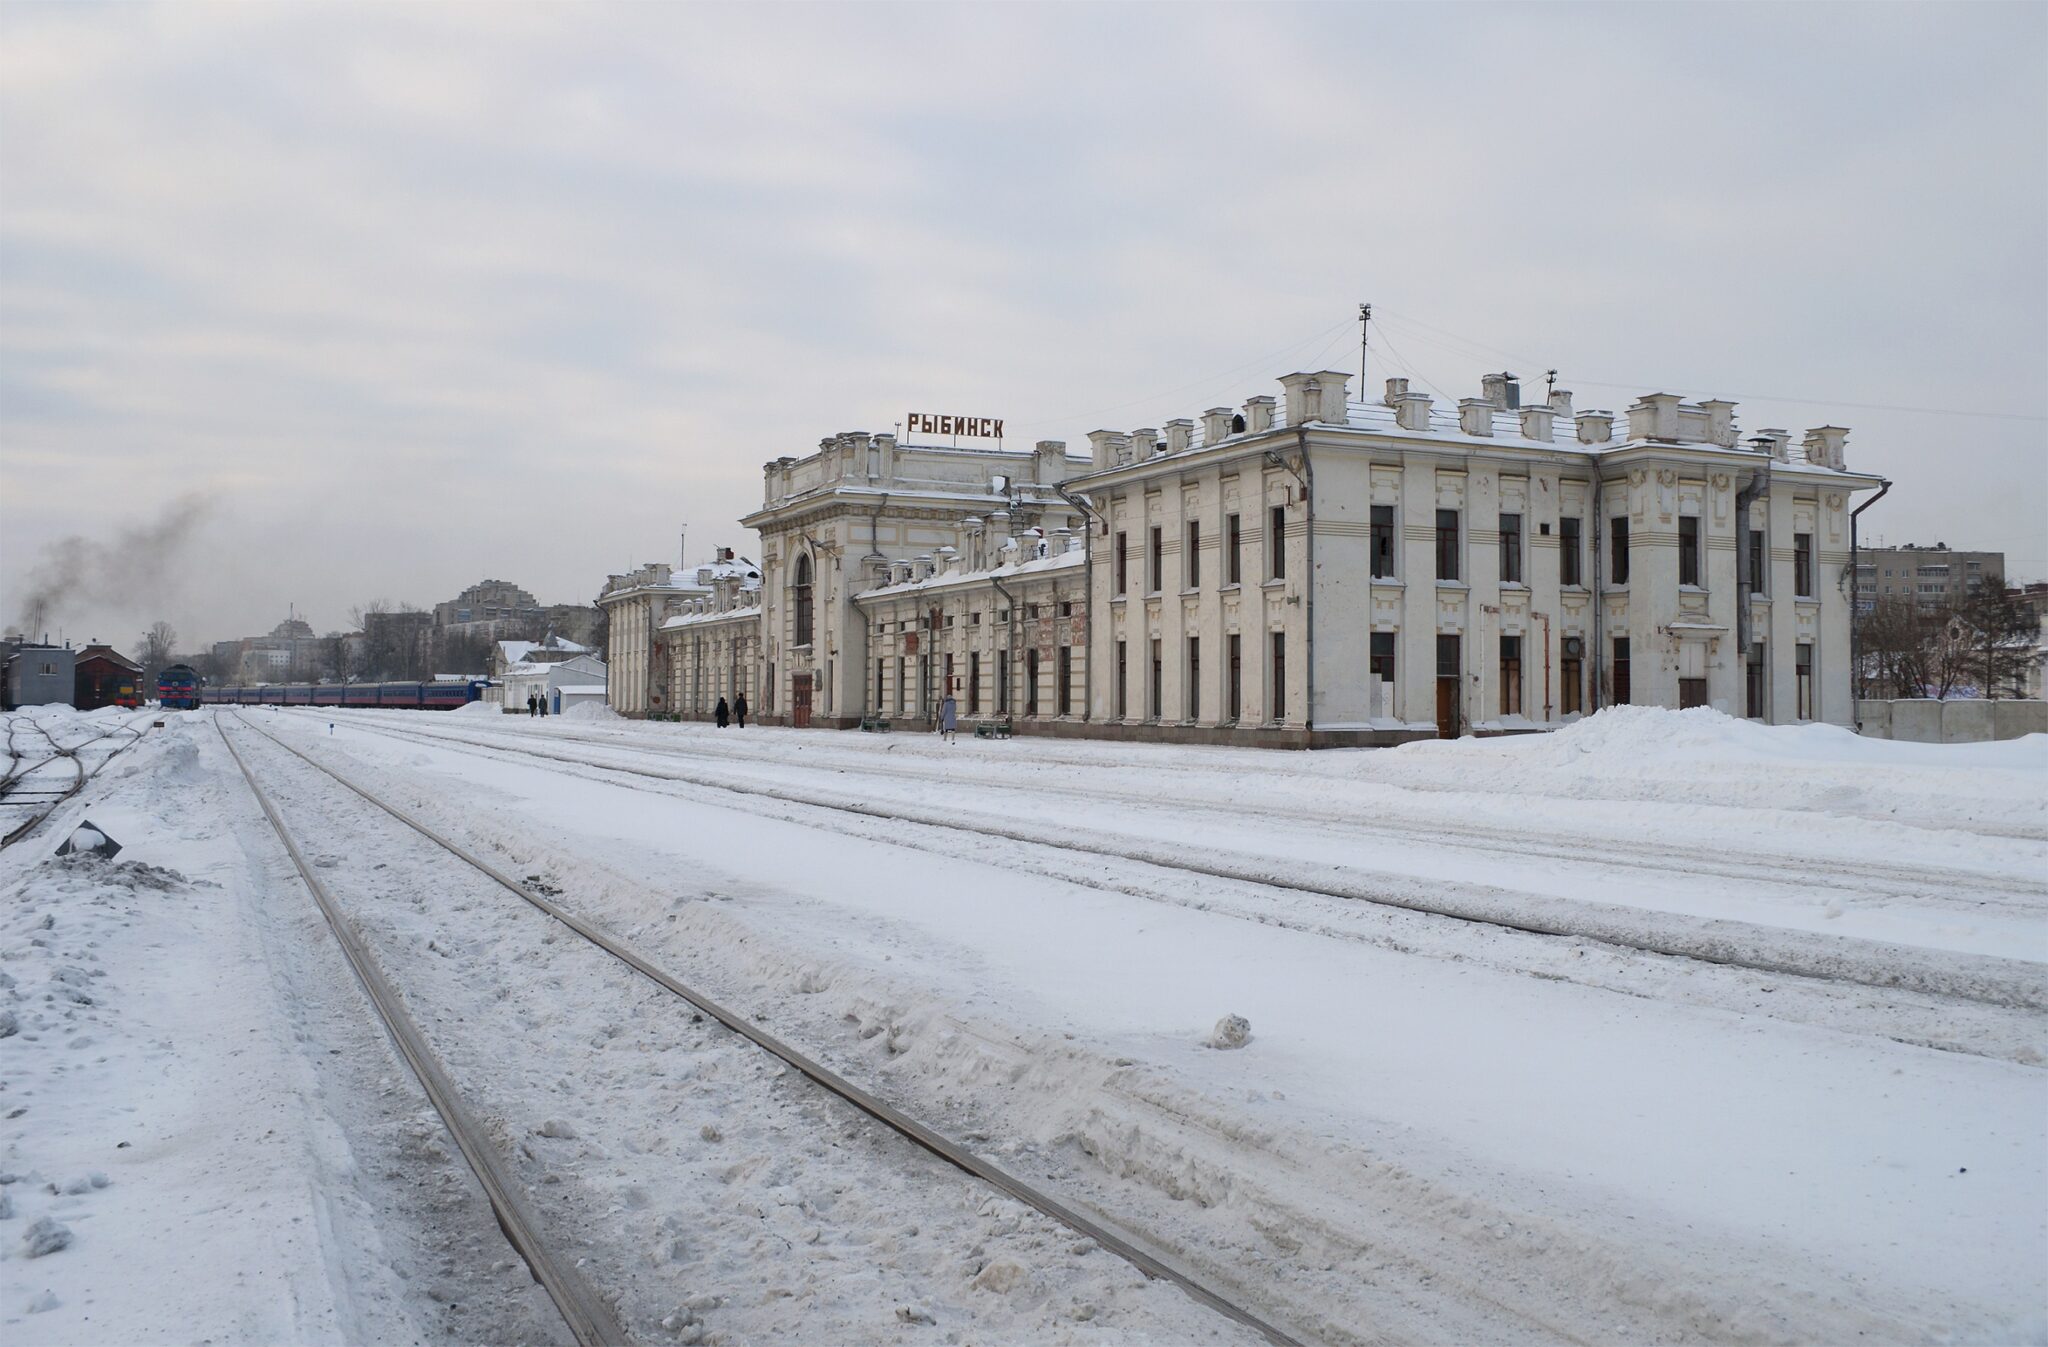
[(516, 652), (1058, 561), (741, 613)]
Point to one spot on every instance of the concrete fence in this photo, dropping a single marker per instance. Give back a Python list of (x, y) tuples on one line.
[(1928, 720)]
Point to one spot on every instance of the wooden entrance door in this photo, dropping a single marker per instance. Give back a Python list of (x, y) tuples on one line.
[(1448, 666), (800, 700)]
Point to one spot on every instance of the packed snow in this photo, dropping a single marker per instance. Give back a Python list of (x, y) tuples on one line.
[(1369, 1121)]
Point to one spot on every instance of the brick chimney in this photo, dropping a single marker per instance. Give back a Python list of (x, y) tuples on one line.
[(1824, 446), (1654, 417), (1536, 423), (1102, 448), (1180, 433), (1049, 462), (1502, 391), (1475, 416), (1396, 390), (1412, 412), (1775, 442), (1258, 414), (1720, 422), (1216, 425), (1561, 402), (1595, 427), (1335, 388), (1304, 397)]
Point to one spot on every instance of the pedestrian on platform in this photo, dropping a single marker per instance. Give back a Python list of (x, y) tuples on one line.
[(949, 719), (532, 706), (739, 710), (723, 714)]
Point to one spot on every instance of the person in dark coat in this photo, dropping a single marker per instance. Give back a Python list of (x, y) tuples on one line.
[(723, 714), (532, 706), (739, 710)]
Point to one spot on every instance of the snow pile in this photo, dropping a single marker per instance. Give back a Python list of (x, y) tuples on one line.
[(480, 708), (1704, 756), (590, 710)]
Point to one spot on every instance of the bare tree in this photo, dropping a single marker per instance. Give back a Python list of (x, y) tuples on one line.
[(158, 648)]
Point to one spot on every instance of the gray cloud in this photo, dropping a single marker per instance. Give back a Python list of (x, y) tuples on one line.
[(421, 296)]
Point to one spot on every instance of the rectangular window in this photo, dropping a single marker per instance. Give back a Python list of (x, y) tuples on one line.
[(950, 685), (1568, 553), (1759, 572), (902, 684), (1031, 681), (1279, 675), (1123, 562), (1065, 675), (1753, 683), (1123, 680), (1621, 671), (1002, 682), (1571, 675), (1383, 542), (1233, 558), (974, 682), (1276, 542), (1194, 690), (1618, 539), (1689, 550), (1691, 692), (1158, 696), (1511, 675), (1382, 666), (1802, 568), (1511, 549), (1802, 669), (1155, 562), (1446, 544), (1236, 678), (1194, 557)]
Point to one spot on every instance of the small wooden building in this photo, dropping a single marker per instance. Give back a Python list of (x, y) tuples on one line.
[(103, 676)]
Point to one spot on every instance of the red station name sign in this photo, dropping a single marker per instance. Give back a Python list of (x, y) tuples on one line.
[(924, 423)]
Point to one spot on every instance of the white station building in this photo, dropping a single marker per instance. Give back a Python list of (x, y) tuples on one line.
[(1297, 571)]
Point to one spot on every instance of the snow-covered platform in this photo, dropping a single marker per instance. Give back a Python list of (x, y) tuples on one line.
[(1440, 1128)]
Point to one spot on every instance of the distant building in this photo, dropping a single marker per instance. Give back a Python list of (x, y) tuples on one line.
[(555, 682), (103, 676), (1932, 577), (640, 607), (554, 650), (40, 675)]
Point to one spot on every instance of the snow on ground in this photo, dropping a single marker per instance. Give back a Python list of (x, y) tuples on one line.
[(195, 1106), (1436, 1131), (1698, 1158)]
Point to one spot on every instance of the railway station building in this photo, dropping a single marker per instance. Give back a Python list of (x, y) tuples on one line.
[(1298, 570)]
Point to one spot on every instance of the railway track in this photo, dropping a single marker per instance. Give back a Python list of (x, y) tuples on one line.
[(577, 1300), (37, 789), (1768, 950)]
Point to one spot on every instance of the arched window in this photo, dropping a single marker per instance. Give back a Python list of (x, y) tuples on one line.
[(800, 599)]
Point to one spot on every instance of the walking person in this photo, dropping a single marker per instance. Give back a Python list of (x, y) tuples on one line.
[(532, 706), (722, 714), (739, 710), (543, 706), (949, 719)]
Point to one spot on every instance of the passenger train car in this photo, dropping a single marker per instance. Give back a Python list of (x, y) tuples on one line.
[(414, 696)]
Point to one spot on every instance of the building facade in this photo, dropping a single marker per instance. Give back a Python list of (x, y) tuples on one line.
[(832, 523), (1319, 571), (1930, 577), (681, 640), (1295, 571)]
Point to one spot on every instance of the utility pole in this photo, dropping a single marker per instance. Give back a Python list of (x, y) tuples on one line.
[(1364, 344), (1549, 385)]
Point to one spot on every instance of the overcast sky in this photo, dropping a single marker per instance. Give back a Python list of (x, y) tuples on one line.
[(397, 297)]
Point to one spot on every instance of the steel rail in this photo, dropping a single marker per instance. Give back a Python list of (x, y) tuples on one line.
[(13, 786), (1147, 1262), (589, 1318), (1989, 979)]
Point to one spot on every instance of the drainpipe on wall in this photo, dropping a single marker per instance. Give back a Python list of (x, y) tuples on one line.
[(1088, 588), (1745, 583), (1855, 601), (1008, 702)]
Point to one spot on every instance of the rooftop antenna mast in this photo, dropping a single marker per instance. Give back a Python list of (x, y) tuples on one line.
[(1549, 384), (683, 548), (1364, 344)]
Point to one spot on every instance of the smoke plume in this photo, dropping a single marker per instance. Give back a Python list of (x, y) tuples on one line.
[(138, 566)]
